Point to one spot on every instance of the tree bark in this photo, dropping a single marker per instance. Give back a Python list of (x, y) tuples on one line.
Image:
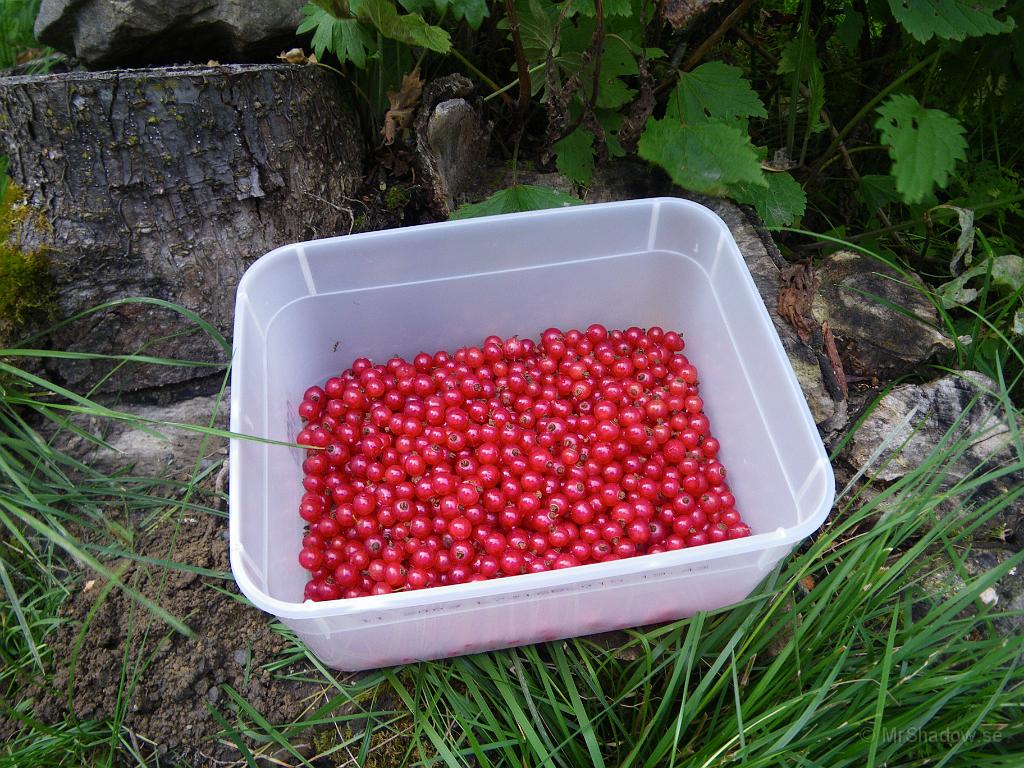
[(169, 183)]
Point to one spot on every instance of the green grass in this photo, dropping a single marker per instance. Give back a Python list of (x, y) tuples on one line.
[(17, 18), (840, 658), (863, 667)]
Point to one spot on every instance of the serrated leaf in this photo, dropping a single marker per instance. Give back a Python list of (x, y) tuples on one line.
[(925, 145), (714, 92), (703, 158), (611, 121), (574, 156), (950, 19), (850, 29), (537, 23), (347, 39), (779, 204), (473, 11), (611, 7), (617, 61), (877, 191), (409, 28), (515, 199)]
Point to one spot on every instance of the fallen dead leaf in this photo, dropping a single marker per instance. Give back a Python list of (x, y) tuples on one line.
[(808, 583), (403, 103), (89, 585), (297, 56), (28, 54), (832, 352), (796, 293), (213, 63)]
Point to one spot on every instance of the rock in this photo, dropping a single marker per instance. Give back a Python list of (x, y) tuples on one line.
[(168, 183), (452, 137), (111, 33), (149, 450), (826, 401), (682, 13), (940, 408), (876, 339), (1004, 596)]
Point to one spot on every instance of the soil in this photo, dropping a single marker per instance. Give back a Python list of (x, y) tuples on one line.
[(181, 677)]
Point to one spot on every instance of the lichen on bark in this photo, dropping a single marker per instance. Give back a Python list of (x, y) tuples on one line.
[(26, 288)]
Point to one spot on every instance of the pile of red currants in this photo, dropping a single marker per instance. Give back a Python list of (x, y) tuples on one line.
[(508, 458)]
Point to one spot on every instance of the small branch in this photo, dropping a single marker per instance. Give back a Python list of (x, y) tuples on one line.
[(522, 68), (598, 45), (505, 88), (825, 118), (587, 116), (497, 89), (871, 104), (714, 37)]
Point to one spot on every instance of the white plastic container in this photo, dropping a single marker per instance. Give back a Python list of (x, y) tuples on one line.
[(305, 311)]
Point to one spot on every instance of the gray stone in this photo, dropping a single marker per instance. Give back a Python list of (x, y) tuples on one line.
[(452, 137), (149, 450), (943, 413), (882, 320), (1004, 596), (112, 33)]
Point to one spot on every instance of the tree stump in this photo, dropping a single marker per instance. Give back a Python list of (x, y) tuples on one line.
[(168, 183)]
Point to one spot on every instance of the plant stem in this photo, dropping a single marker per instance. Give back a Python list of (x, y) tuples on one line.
[(714, 37), (912, 222), (498, 90), (522, 68), (794, 90), (870, 105), (598, 50), (501, 91)]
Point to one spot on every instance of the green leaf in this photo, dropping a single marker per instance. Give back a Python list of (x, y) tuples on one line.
[(950, 19), (611, 7), (1007, 272), (473, 11), (515, 199), (779, 204), (806, 61), (611, 121), (877, 191), (617, 61), (574, 156), (347, 39), (924, 144), (409, 28), (352, 41), (704, 158), (714, 92), (537, 22), (850, 29)]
